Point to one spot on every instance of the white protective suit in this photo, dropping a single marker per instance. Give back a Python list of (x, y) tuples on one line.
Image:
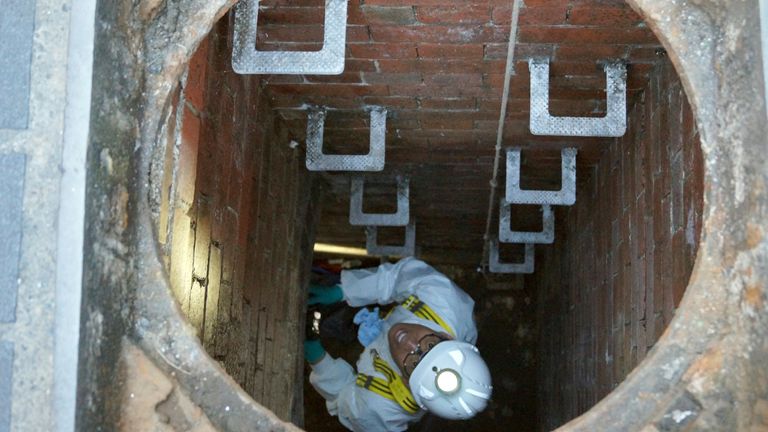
[(360, 409)]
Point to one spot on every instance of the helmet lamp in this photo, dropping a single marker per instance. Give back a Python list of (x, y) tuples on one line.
[(448, 381)]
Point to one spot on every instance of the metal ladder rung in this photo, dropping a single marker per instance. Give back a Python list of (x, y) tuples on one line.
[(246, 59), (565, 196), (613, 124), (319, 161), (407, 249), (498, 267), (506, 235), (399, 218)]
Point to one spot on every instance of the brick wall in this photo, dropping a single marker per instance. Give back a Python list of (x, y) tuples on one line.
[(610, 284), (239, 243)]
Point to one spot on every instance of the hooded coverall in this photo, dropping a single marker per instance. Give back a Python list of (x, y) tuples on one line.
[(360, 409)]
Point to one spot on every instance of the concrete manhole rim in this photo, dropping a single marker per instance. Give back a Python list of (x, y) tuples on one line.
[(700, 325)]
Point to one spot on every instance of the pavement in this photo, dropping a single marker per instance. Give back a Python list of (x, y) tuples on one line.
[(43, 137)]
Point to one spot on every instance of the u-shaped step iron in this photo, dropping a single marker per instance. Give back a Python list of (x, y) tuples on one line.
[(246, 59), (399, 218), (613, 124), (319, 161)]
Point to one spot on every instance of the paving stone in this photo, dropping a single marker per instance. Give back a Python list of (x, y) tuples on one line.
[(11, 193), (6, 373), (17, 26)]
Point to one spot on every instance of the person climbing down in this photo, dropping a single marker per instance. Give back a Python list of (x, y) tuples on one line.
[(420, 357)]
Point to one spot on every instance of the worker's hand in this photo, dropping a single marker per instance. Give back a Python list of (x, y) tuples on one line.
[(313, 351), (371, 325), (319, 294)]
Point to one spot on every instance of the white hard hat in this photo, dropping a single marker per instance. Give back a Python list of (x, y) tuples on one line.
[(452, 381)]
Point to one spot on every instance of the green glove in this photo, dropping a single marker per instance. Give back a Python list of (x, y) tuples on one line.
[(319, 294), (313, 351)]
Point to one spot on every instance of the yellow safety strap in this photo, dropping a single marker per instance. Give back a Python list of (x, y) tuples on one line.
[(393, 388), (423, 311)]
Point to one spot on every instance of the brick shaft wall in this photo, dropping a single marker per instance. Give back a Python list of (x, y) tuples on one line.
[(239, 245), (622, 256)]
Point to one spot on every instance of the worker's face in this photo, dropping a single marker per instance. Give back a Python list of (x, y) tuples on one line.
[(404, 340)]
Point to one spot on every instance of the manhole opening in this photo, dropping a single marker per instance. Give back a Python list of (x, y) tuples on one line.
[(239, 214)]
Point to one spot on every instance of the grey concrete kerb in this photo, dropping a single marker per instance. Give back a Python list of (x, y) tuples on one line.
[(706, 372)]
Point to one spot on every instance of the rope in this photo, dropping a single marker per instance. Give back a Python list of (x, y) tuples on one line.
[(500, 131)]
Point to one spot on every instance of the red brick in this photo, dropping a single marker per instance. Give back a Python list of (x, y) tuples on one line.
[(494, 103), (578, 108), (540, 3), (293, 102), (403, 123), (344, 121), (351, 65), (424, 90), (661, 217), (234, 187), (289, 15), (661, 155), (285, 79), (276, 45), (336, 90), (486, 124), (358, 34), (677, 201), (393, 78), (421, 2), (680, 268), (397, 102), (603, 16), (440, 34), (305, 33), (448, 104), (442, 51), (576, 68), (249, 202), (585, 35), (630, 192), (373, 14), (502, 15), (427, 66), (638, 75), (589, 52), (523, 51), (288, 33), (382, 50), (559, 92), (552, 15), (447, 124), (464, 14), (675, 119), (469, 80), (349, 77), (293, 3), (196, 78), (647, 54), (202, 241)]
